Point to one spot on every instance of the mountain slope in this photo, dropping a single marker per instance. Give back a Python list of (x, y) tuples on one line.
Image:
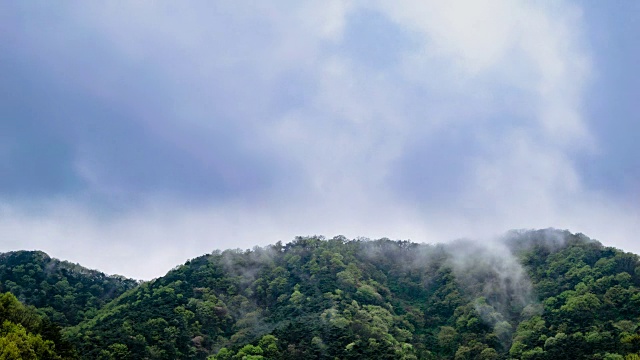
[(533, 295), (67, 293), (544, 294), (26, 335)]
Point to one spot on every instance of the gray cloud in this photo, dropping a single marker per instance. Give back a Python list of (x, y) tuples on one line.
[(205, 126)]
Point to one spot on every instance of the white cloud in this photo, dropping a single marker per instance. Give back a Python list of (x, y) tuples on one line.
[(345, 138)]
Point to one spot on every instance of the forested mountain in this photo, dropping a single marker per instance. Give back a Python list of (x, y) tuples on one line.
[(544, 294), (67, 293)]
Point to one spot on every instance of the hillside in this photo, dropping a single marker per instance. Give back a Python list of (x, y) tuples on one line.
[(544, 294), (67, 293), (26, 335)]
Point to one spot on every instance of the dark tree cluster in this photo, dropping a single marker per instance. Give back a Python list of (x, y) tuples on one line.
[(67, 293)]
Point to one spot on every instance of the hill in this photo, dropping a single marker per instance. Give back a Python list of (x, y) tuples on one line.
[(67, 293), (544, 294)]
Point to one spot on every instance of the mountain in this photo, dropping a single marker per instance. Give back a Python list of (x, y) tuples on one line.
[(545, 294), (67, 293)]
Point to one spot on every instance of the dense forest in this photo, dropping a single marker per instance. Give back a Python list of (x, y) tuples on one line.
[(544, 294)]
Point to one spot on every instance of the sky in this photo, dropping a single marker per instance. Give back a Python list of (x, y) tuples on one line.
[(137, 135)]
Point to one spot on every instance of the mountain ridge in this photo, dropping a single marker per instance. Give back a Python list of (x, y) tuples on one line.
[(524, 296)]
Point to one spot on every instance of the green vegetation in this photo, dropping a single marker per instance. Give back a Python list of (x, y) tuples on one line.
[(532, 295), (67, 293), (26, 335)]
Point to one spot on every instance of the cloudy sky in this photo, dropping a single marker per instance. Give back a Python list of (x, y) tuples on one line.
[(136, 135)]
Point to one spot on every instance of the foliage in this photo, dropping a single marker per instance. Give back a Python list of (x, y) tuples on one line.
[(534, 295), (26, 335), (67, 293)]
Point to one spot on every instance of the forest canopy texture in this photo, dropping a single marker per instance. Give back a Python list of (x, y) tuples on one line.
[(545, 294)]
